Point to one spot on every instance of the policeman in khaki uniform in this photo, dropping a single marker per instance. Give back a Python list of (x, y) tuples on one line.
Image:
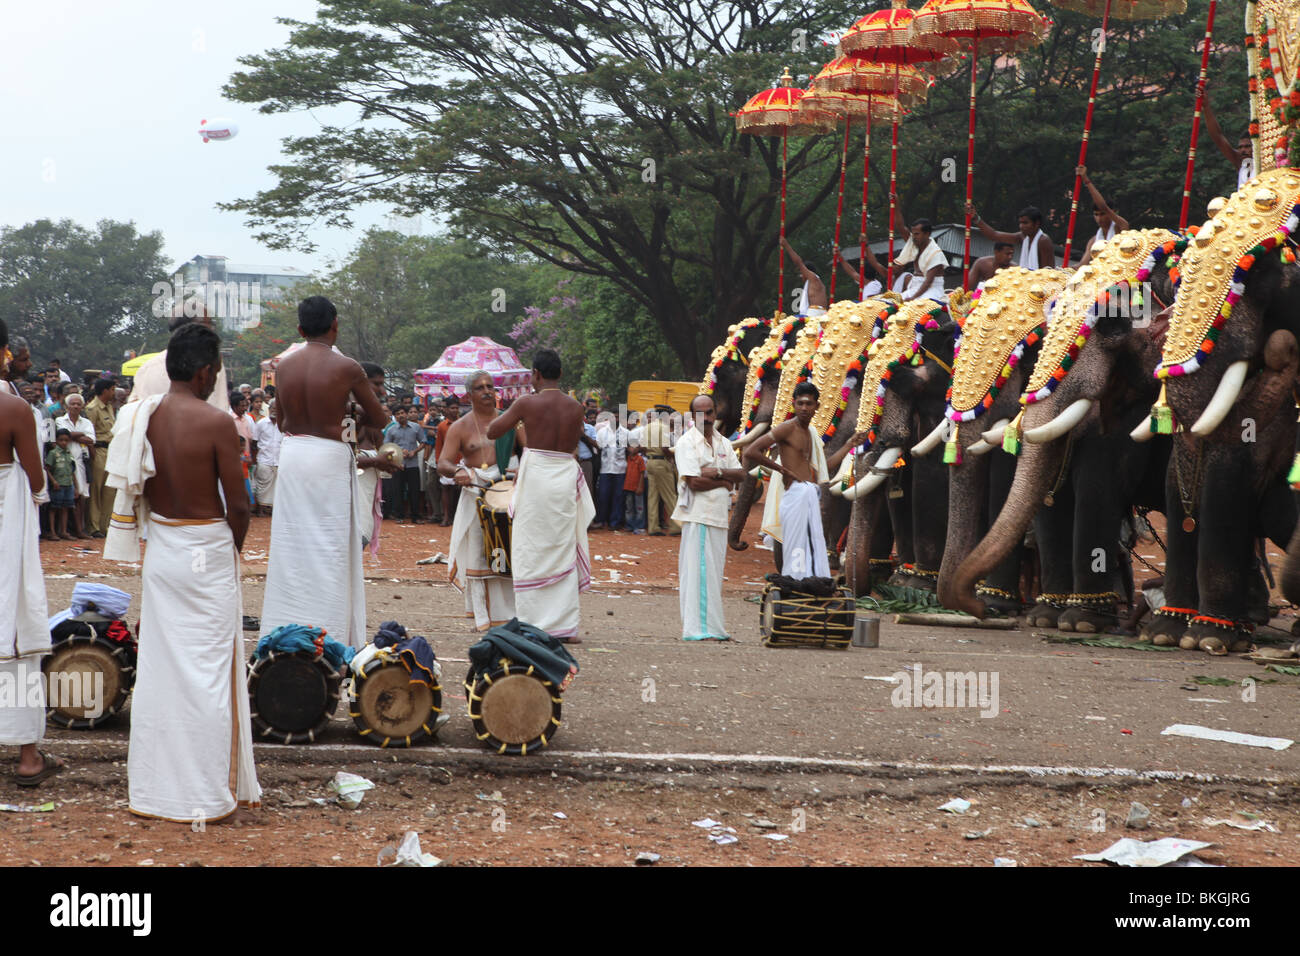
[(660, 471)]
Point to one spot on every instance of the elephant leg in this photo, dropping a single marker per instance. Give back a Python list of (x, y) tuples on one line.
[(835, 519), (899, 502), (1167, 625), (1001, 588), (1101, 491), (882, 543), (1225, 554), (929, 518), (1054, 530)]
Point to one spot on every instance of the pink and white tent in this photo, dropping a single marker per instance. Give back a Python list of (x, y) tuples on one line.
[(450, 374)]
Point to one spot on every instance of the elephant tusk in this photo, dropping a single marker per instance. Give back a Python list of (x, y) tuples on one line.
[(1225, 396), (750, 435), (877, 475), (931, 441), (1143, 432), (981, 447), (843, 476), (994, 435), (1061, 425)]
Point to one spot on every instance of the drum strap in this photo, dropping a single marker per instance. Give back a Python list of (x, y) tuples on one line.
[(505, 447)]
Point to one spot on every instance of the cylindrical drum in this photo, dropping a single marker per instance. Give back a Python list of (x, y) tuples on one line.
[(292, 696)]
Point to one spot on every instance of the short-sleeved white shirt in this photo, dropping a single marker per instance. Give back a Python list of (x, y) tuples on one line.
[(694, 453)]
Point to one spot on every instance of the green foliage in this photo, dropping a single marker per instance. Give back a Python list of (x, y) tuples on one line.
[(894, 599), (83, 296), (1115, 642)]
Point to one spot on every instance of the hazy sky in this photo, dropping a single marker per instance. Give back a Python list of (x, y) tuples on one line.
[(100, 112)]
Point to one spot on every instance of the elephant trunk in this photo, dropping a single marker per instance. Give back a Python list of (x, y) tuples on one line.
[(1038, 468), (740, 513), (863, 521), (1290, 578)]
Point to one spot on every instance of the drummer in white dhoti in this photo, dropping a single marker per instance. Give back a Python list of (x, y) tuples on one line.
[(24, 631), (551, 507), (709, 469), (314, 569), (792, 514), (174, 462), (474, 463)]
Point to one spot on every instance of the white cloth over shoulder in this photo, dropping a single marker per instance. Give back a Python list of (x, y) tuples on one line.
[(151, 379), (776, 488), (130, 464), (24, 628), (1029, 251), (548, 540), (190, 679), (489, 597), (314, 570), (803, 551)]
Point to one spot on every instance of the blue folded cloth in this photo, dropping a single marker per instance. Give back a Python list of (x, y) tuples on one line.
[(414, 652), (290, 638), (88, 596)]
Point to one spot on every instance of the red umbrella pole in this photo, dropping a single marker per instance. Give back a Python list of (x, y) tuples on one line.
[(780, 252), (1196, 118), (866, 169), (1087, 130), (970, 160), (839, 205)]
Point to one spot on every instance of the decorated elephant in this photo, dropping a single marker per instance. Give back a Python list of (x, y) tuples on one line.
[(905, 379), (994, 356), (728, 369), (1228, 374), (1079, 470)]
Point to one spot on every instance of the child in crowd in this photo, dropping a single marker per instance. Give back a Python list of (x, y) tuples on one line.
[(59, 466), (634, 488), (245, 459)]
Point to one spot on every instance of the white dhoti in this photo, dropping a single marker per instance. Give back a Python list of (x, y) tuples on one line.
[(190, 729), (314, 572), (548, 540), (24, 627), (803, 543), (264, 484), (369, 488), (489, 597), (699, 576)]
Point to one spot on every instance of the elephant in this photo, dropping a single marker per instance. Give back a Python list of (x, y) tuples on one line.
[(903, 399), (1079, 470), (728, 368), (995, 352), (1228, 370)]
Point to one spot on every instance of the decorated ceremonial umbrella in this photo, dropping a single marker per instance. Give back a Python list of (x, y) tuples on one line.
[(1122, 10), (983, 26), (776, 112), (885, 37), (132, 366), (450, 374), (867, 106), (271, 364)]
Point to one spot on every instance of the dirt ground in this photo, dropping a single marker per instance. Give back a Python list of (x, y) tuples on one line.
[(740, 734)]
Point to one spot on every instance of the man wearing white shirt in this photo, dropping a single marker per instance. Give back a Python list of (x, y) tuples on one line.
[(266, 432), (612, 439), (709, 469), (82, 447)]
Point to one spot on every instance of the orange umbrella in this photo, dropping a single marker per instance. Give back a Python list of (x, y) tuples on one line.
[(1122, 10), (982, 26), (776, 112)]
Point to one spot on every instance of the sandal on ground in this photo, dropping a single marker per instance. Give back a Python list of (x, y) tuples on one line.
[(51, 766)]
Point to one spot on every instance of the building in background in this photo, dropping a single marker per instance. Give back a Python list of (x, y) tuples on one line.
[(231, 292)]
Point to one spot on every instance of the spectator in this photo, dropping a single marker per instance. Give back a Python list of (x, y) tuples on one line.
[(634, 488), (661, 476), (450, 493), (429, 483), (257, 405), (612, 438), (82, 446), (58, 367), (588, 448), (244, 426), (267, 435), (102, 415), (60, 467), (408, 436), (52, 386)]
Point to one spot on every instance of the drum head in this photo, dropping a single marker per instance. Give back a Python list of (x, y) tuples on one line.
[(497, 497), (516, 709), (766, 613), (292, 694), (88, 681), (391, 710)]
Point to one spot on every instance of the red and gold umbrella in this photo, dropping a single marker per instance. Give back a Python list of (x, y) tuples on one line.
[(1121, 10), (777, 112), (885, 38), (982, 26)]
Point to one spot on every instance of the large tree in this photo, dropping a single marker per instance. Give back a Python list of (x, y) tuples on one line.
[(82, 296)]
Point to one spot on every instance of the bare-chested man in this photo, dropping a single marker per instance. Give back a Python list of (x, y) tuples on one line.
[(474, 461), (552, 506), (189, 711), (795, 510), (24, 631), (814, 290), (986, 267), (314, 569)]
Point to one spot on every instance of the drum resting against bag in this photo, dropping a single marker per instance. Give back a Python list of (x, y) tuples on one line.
[(292, 696), (391, 709), (494, 517), (88, 676), (807, 620), (513, 708)]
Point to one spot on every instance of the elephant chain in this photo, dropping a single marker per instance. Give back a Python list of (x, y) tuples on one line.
[(1060, 479), (1189, 501)]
